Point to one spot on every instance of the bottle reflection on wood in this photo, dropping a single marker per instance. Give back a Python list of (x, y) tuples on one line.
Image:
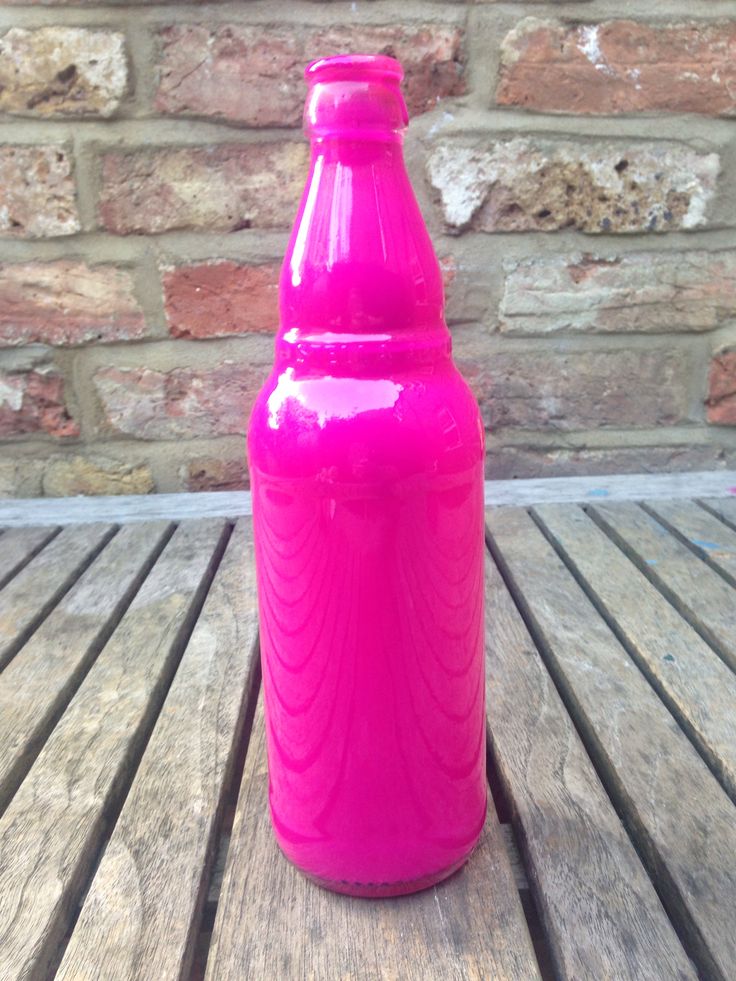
[(366, 456)]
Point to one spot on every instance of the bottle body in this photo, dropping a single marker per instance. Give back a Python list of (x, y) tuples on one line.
[(366, 458)]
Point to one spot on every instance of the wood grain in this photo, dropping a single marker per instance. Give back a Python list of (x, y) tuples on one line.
[(682, 820), (723, 508), (697, 687), (53, 827), (696, 591), (140, 916), (710, 539), (28, 597), (273, 922), (601, 915), (39, 681), (18, 546)]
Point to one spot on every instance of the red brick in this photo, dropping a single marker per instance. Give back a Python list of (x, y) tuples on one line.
[(182, 403), (253, 74), (209, 473), (553, 390), (721, 401), (37, 194), (620, 66), (224, 187), (33, 402), (67, 302), (214, 299)]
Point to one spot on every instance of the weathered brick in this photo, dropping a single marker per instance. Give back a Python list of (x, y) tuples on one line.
[(214, 299), (67, 302), (645, 292), (182, 403), (218, 188), (20, 477), (721, 400), (253, 74), (37, 194), (54, 71), (519, 185), (32, 401), (210, 473), (67, 476), (620, 66), (517, 462), (540, 390)]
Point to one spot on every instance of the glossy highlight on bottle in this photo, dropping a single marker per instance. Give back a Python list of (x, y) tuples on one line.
[(366, 457)]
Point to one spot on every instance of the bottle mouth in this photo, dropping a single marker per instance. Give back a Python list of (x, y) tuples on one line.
[(353, 67)]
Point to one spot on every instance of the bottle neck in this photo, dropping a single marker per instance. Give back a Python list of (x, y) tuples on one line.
[(360, 273)]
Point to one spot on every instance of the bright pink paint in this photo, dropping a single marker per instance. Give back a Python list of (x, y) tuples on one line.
[(366, 455)]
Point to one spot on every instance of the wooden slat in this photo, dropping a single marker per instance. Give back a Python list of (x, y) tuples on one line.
[(18, 546), (140, 916), (708, 537), (723, 508), (39, 681), (682, 820), (273, 923), (53, 827), (28, 598), (698, 688), (601, 914), (698, 593)]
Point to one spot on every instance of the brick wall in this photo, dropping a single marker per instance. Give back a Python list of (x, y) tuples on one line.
[(576, 163)]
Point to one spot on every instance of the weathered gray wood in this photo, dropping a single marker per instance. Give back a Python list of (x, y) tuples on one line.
[(140, 916), (681, 818), (696, 591), (29, 597), (722, 508), (233, 504), (698, 688), (710, 539), (273, 923), (601, 915), (53, 827), (18, 546), (39, 681)]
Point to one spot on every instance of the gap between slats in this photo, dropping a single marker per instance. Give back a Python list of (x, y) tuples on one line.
[(698, 550), (112, 813), (655, 868), (73, 682), (609, 619), (701, 628), (20, 566)]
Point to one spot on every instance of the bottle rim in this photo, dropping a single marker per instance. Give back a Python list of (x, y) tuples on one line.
[(353, 66)]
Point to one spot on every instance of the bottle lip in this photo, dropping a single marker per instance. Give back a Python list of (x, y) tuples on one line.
[(353, 66)]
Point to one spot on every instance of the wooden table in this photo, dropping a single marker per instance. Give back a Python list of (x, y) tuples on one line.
[(133, 769)]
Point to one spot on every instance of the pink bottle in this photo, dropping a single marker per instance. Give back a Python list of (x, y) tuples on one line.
[(366, 456)]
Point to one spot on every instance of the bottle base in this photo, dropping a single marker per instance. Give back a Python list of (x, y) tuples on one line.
[(382, 890)]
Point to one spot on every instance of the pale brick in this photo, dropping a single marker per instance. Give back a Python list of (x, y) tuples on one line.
[(214, 299), (20, 477), (643, 292), (213, 473), (217, 188), (254, 74), (54, 71), (67, 302), (620, 66), (519, 185), (37, 193), (182, 403), (67, 476)]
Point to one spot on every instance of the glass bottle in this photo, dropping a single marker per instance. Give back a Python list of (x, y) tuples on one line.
[(366, 458)]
